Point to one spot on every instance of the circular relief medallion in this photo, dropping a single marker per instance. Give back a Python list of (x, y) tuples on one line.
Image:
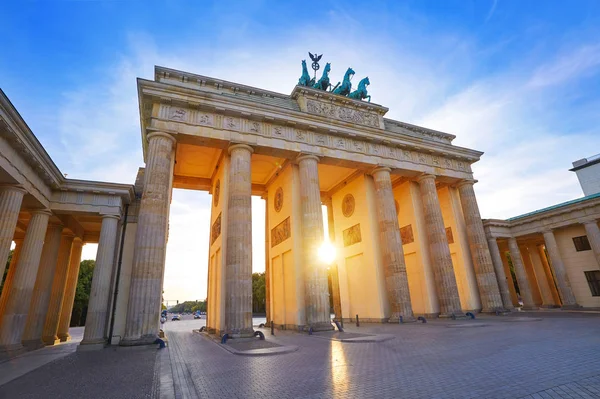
[(348, 205), (217, 192), (278, 199)]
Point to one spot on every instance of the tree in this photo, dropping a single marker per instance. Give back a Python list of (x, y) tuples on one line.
[(82, 293), (10, 255), (258, 293)]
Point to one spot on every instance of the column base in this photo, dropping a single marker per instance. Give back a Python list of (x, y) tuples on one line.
[(571, 307), (143, 340), (323, 326), (64, 337), (453, 316), (88, 347), (243, 333), (51, 340), (96, 341), (494, 310), (12, 350), (395, 319), (33, 344)]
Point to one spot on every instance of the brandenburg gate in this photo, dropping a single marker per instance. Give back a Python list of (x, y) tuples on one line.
[(402, 216)]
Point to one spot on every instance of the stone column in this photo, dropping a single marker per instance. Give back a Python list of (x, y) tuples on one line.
[(238, 258), (10, 205), (335, 277), (593, 234), (500, 275), (267, 263), (71, 287), (97, 314), (49, 334), (143, 312), (10, 275), (491, 300), (548, 272), (38, 309), (521, 273), (21, 290), (562, 280), (439, 249), (394, 266), (316, 292)]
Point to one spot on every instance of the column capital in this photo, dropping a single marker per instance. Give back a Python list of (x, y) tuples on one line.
[(239, 145), (41, 212), (425, 176), (304, 157), (77, 240), (106, 216), (465, 182), (380, 169), (161, 134), (591, 221), (547, 230), (13, 187)]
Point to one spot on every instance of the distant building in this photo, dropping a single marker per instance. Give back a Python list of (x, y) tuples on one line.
[(588, 173), (554, 251)]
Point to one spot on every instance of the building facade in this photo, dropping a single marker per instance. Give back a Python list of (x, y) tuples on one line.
[(554, 252)]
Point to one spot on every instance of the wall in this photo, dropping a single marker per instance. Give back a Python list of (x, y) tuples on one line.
[(459, 249), (287, 275), (360, 269), (589, 179), (576, 264), (421, 281), (217, 251)]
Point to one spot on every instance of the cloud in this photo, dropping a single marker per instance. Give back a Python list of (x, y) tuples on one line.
[(582, 61)]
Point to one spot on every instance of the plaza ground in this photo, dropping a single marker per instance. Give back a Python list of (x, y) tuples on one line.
[(550, 354)]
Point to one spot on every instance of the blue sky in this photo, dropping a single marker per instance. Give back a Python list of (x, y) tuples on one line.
[(518, 80)]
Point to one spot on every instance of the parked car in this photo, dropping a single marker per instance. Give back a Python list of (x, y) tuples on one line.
[(176, 318), (197, 316)]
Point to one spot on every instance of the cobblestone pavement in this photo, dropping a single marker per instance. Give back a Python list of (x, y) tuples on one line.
[(110, 373), (532, 356), (543, 355)]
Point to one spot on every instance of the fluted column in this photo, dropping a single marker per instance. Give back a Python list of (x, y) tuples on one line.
[(238, 258), (70, 288), (38, 309), (11, 274), (521, 273), (394, 266), (145, 293), (439, 249), (562, 280), (487, 282), (97, 314), (500, 274), (49, 334), (21, 290), (11, 198), (267, 263), (316, 292), (593, 234), (549, 276)]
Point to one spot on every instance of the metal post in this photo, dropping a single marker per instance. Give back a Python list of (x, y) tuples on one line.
[(272, 328), (357, 322)]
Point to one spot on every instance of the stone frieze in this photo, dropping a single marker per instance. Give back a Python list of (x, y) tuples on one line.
[(332, 141)]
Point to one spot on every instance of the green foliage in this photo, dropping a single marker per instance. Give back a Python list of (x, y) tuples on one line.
[(512, 273), (82, 293), (258, 293), (189, 307), (10, 255)]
